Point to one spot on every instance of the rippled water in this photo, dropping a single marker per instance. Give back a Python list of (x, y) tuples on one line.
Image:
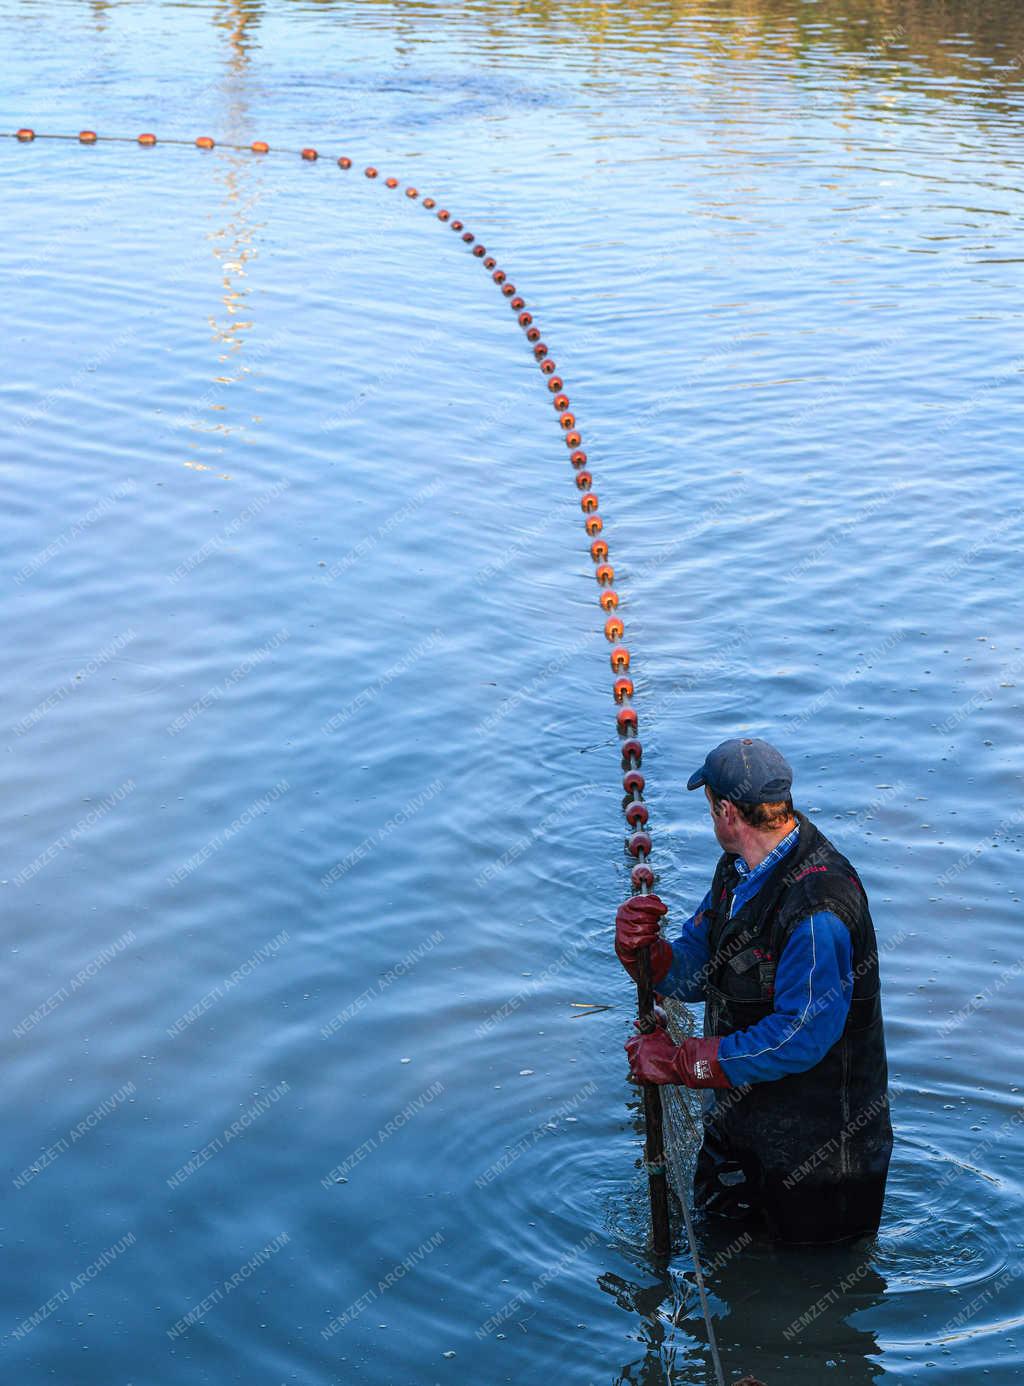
[(311, 827)]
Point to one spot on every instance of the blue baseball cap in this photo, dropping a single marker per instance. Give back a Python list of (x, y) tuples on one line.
[(745, 770)]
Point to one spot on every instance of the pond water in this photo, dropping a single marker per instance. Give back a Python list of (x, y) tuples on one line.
[(312, 832)]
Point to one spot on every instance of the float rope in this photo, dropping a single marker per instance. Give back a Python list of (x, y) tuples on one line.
[(635, 811)]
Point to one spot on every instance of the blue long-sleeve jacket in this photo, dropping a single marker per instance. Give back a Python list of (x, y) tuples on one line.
[(813, 985)]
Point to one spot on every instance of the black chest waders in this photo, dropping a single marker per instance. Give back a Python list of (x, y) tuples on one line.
[(809, 1151)]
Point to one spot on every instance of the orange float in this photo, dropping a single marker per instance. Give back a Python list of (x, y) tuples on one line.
[(626, 720), (632, 754)]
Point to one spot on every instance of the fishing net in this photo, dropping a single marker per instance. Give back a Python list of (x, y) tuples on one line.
[(680, 1110)]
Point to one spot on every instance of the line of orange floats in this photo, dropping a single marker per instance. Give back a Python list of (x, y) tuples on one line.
[(638, 843)]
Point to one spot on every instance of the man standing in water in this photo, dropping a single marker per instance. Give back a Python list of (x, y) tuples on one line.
[(782, 950)]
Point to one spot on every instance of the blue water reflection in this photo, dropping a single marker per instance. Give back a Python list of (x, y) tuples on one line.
[(312, 833)]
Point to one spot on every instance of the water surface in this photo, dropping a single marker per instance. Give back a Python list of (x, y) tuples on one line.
[(311, 827)]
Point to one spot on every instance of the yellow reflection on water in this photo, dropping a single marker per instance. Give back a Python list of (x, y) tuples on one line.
[(232, 243)]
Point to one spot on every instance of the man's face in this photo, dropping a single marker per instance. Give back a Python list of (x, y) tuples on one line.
[(720, 821)]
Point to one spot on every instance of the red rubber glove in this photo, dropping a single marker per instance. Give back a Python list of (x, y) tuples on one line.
[(636, 927), (654, 1058)]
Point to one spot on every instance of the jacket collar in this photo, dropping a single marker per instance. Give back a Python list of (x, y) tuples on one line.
[(781, 849)]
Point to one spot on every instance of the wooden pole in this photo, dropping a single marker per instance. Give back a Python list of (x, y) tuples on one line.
[(654, 1130)]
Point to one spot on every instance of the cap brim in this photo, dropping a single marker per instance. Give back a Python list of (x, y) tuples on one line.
[(696, 779)]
